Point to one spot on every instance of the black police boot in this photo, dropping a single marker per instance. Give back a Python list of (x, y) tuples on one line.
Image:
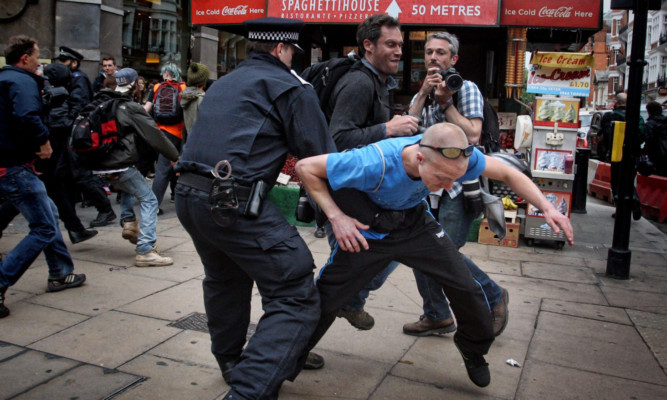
[(4, 311), (227, 365), (80, 236), (103, 218)]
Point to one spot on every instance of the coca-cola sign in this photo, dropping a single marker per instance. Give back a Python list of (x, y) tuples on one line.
[(213, 12), (560, 12), (552, 13), (238, 10)]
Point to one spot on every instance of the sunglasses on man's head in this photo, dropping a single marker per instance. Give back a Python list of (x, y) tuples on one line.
[(451, 152)]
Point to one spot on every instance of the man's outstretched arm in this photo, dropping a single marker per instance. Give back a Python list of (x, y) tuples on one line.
[(524, 187), (313, 173)]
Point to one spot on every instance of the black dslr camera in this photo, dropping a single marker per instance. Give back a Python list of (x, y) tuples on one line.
[(452, 79)]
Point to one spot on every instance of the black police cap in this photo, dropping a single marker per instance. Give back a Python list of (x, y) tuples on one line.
[(67, 53), (272, 29)]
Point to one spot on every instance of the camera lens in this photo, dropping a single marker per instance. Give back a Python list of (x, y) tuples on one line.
[(454, 82)]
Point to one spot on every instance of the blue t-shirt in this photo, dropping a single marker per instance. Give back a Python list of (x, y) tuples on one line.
[(361, 169)]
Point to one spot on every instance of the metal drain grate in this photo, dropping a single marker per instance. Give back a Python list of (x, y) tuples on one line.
[(199, 322)]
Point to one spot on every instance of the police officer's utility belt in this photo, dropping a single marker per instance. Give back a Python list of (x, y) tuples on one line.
[(203, 183), (228, 198)]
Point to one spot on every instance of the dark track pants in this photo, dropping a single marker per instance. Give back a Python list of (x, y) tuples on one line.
[(423, 246), (269, 252)]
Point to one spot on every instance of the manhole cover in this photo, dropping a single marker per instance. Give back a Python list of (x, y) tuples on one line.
[(199, 322)]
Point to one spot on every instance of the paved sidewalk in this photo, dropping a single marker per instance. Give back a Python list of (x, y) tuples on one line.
[(575, 333)]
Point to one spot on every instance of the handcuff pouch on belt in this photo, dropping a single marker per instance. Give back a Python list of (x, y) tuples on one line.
[(226, 195), (222, 197)]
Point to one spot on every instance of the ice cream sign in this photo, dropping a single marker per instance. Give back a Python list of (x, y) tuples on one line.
[(565, 74), (564, 111)]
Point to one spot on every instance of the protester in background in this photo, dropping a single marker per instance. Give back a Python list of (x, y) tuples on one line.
[(139, 131), (193, 95), (108, 70), (140, 91), (435, 103), (656, 138), (24, 137), (164, 103), (56, 171)]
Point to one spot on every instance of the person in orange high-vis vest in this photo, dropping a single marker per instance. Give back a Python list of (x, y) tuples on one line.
[(169, 118)]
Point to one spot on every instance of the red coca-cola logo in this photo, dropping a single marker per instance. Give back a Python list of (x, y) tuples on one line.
[(238, 10), (560, 12)]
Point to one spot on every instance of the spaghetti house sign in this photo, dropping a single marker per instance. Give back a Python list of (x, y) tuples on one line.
[(538, 13)]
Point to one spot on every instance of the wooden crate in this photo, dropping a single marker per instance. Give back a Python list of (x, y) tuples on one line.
[(486, 236)]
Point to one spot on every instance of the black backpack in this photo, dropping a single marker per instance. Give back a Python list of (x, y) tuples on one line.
[(490, 137), (325, 74), (96, 131), (167, 103)]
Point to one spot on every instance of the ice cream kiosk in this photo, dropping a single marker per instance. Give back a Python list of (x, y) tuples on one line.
[(560, 78)]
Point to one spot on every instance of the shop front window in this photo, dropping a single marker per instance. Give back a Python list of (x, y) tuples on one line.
[(154, 32)]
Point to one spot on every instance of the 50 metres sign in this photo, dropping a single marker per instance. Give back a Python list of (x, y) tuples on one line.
[(456, 12)]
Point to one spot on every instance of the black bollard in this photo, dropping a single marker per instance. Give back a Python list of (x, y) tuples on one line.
[(579, 189)]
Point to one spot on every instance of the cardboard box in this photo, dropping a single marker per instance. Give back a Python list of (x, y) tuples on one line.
[(486, 236)]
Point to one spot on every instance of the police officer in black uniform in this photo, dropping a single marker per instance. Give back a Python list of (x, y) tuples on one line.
[(251, 118), (81, 94)]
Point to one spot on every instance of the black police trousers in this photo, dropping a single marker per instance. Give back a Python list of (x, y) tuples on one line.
[(423, 245), (266, 251)]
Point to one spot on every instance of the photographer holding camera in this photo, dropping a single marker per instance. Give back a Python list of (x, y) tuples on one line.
[(460, 205)]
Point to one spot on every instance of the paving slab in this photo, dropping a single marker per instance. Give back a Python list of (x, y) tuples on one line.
[(343, 376), (108, 340), (170, 304), (545, 381), (589, 311), (399, 293), (83, 382), (653, 328), (188, 347), (557, 272), (436, 361), (503, 267), (396, 388), (170, 379), (473, 249), (29, 369), (31, 322), (103, 290), (642, 278), (636, 299), (541, 288), (8, 350), (384, 343), (595, 346)]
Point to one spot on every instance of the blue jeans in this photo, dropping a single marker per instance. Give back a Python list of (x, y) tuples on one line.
[(358, 302), (24, 189), (134, 185), (164, 172), (456, 222)]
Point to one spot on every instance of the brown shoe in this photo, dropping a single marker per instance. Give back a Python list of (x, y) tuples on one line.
[(359, 319), (500, 314), (426, 327), (131, 231)]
